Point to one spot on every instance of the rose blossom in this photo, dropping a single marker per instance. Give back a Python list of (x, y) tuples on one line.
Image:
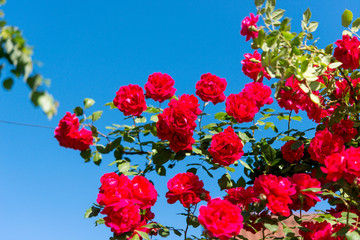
[(348, 52), (241, 197), (130, 100), (251, 67), (316, 231), (221, 219), (179, 141), (159, 87), (259, 92), (122, 216), (187, 188), (113, 188), (226, 147), (278, 192), (241, 106), (211, 88), (69, 136), (334, 166), (303, 181), (246, 24), (291, 97), (345, 129), (352, 159), (292, 155), (324, 144), (143, 191), (187, 101)]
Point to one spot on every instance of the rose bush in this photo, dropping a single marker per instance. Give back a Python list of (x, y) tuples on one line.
[(286, 171)]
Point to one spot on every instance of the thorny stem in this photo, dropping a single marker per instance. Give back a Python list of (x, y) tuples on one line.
[(187, 225), (203, 109), (138, 135)]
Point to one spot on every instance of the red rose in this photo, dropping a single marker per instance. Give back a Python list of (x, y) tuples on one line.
[(291, 97), (113, 188), (187, 101), (241, 197), (160, 87), (316, 112), (352, 169), (335, 165), (259, 92), (130, 100), (345, 129), (278, 192), (182, 120), (324, 144), (69, 136), (226, 147), (122, 216), (316, 231), (241, 107), (163, 125), (187, 188), (303, 181), (292, 155), (246, 24), (211, 88), (143, 191), (348, 52), (221, 219), (252, 67), (179, 141)]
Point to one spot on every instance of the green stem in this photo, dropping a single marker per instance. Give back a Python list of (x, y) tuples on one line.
[(203, 109), (138, 134)]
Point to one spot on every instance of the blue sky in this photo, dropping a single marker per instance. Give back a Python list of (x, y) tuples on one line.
[(90, 49)]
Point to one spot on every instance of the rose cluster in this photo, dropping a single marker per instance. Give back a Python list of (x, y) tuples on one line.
[(244, 105), (126, 202), (177, 122), (69, 135)]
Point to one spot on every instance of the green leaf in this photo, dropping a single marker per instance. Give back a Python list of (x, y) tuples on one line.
[(313, 26), (270, 5), (221, 116), (177, 232), (8, 83), (296, 118), (346, 18), (164, 232), (329, 48), (271, 225), (128, 138), (124, 167), (277, 14), (356, 25), (86, 155), (88, 102), (154, 118), (287, 35), (312, 190), (96, 115), (307, 16), (335, 65), (144, 235), (287, 138), (92, 212), (246, 165), (258, 3), (99, 221), (192, 170), (78, 111), (225, 181), (152, 110), (111, 105), (354, 235), (97, 158), (140, 119), (160, 170)]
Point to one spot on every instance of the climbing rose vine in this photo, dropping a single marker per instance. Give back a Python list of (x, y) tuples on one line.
[(267, 171)]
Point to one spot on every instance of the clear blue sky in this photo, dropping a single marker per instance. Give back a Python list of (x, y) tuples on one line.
[(90, 49)]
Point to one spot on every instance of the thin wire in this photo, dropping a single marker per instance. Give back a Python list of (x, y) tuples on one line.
[(26, 124)]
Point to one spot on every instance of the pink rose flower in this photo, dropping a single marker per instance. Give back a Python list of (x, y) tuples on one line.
[(246, 24), (252, 67)]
